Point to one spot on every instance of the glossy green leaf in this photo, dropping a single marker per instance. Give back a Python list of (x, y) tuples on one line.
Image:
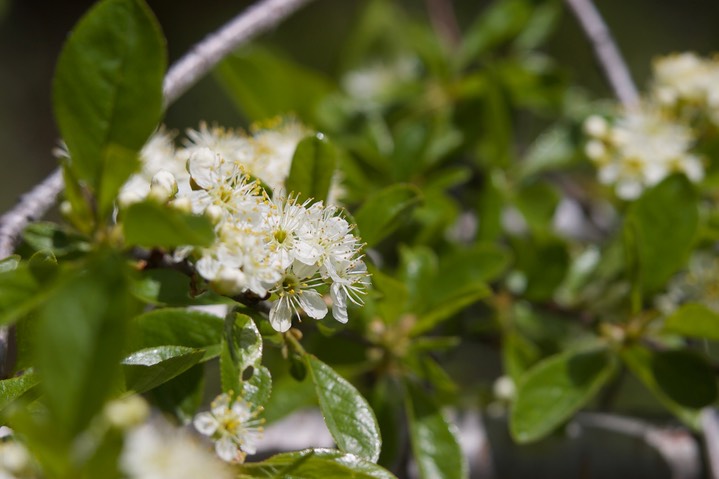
[(663, 224), (263, 84), (107, 92), (152, 224), (13, 388), (313, 166), (461, 299), (384, 211), (642, 362), (148, 368), (178, 327), (257, 390), (695, 321), (518, 355), (434, 440), (553, 390), (80, 338), (347, 414), (314, 464), (242, 350)]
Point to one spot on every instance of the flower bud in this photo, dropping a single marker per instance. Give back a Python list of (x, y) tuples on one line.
[(163, 186), (596, 126), (127, 412)]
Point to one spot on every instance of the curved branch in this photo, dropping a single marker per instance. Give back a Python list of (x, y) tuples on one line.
[(187, 71), (606, 50)]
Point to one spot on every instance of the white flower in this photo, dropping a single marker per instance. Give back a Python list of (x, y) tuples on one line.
[(14, 459), (643, 147), (350, 282), (294, 293), (159, 451), (234, 427)]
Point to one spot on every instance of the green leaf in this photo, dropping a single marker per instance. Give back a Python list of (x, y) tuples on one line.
[(148, 368), (152, 224), (434, 442), (181, 396), (263, 84), (461, 299), (347, 414), (57, 239), (20, 293), (13, 388), (81, 334), (554, 389), (642, 362), (178, 327), (693, 320), (241, 351), (107, 92), (314, 464), (537, 202), (257, 390), (663, 223), (518, 355), (502, 21), (685, 377), (313, 166), (383, 212), (552, 150)]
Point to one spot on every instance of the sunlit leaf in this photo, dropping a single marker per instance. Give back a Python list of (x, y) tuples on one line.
[(347, 414), (107, 92)]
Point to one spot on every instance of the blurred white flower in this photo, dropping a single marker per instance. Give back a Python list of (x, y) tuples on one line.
[(233, 426), (158, 451), (640, 149)]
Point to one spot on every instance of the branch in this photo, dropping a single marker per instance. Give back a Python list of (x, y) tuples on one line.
[(606, 50), (444, 21), (187, 71)]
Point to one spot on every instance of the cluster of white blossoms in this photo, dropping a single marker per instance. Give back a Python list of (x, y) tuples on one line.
[(689, 79), (640, 149), (643, 145), (233, 425), (267, 246)]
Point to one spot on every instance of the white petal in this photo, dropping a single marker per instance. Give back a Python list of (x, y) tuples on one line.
[(226, 449), (313, 304), (205, 423), (281, 315), (202, 165), (339, 303)]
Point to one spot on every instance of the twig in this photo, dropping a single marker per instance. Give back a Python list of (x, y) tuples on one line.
[(181, 76), (606, 50), (206, 54), (444, 21)]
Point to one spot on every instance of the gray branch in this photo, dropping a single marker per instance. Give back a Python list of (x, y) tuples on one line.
[(606, 50)]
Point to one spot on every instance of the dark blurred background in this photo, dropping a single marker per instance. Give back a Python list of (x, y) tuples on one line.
[(32, 32)]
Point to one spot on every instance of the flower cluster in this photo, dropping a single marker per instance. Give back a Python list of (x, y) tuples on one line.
[(643, 145), (233, 425), (689, 80), (641, 149), (266, 245)]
